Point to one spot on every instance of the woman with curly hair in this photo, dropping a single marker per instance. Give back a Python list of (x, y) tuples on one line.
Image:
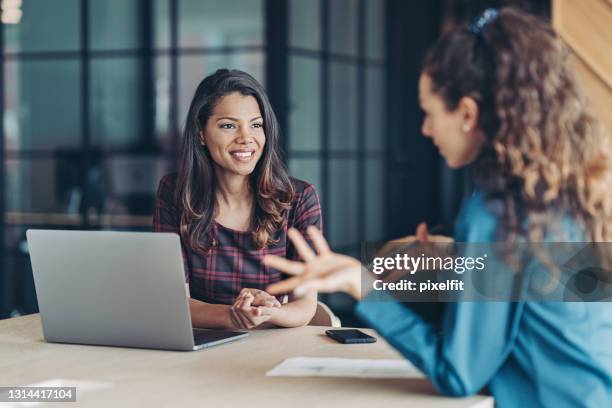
[(500, 96), (232, 202)]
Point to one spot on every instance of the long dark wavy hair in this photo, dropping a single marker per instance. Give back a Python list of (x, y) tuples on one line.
[(196, 190), (545, 154)]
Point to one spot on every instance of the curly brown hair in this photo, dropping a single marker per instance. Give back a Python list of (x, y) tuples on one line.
[(545, 156), (196, 190)]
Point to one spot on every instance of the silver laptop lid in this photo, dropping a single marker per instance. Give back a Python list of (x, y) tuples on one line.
[(111, 288)]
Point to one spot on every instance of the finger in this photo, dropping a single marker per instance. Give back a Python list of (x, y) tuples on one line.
[(251, 318), (301, 245), (340, 273), (440, 238), (244, 291), (285, 265), (240, 303), (318, 240), (271, 301), (264, 299), (235, 322), (252, 314), (248, 323), (241, 296), (285, 286), (239, 299), (264, 311), (277, 302), (421, 232), (261, 298), (267, 302), (255, 293), (243, 322), (258, 300), (317, 284), (404, 240), (317, 269), (247, 301), (334, 282), (244, 310)]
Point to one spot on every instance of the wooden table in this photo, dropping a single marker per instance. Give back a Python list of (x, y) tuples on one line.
[(230, 375)]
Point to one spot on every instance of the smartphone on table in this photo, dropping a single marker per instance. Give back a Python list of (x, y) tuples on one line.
[(350, 336)]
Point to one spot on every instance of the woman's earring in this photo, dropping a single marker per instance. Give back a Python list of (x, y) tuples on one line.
[(466, 127)]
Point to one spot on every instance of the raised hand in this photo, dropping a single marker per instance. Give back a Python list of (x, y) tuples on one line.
[(323, 270)]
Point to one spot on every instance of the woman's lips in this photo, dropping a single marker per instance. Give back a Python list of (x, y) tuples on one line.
[(243, 156)]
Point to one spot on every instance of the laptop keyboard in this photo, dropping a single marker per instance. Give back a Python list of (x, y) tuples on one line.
[(201, 336)]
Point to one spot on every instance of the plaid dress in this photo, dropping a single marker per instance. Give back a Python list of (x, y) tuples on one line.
[(235, 262)]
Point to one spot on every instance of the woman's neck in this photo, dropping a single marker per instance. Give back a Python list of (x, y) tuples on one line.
[(233, 190)]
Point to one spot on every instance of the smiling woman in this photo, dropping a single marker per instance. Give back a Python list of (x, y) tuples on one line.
[(234, 135), (232, 202)]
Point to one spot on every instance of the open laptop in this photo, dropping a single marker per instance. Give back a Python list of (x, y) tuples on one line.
[(115, 289)]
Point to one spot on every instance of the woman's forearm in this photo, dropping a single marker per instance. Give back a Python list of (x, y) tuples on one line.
[(296, 313), (210, 316)]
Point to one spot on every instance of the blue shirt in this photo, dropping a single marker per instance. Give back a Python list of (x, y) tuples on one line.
[(529, 354)]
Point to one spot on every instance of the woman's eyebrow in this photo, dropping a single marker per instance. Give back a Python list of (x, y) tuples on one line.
[(236, 119)]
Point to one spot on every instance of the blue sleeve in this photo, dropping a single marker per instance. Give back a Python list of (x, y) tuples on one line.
[(463, 355), (474, 338)]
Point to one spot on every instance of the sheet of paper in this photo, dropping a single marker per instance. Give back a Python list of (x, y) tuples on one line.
[(344, 367)]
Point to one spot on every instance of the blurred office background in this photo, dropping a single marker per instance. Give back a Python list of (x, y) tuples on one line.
[(94, 94)]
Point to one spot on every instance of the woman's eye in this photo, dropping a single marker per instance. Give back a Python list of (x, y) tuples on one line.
[(257, 125), (227, 126)]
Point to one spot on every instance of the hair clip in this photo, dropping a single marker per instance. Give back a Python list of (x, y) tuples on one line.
[(480, 22)]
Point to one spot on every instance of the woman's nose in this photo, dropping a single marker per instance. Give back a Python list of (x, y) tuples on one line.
[(425, 129), (244, 136)]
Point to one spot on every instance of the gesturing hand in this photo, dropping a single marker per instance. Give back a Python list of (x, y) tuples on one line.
[(325, 271)]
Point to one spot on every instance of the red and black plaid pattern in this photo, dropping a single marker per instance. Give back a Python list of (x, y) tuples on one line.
[(235, 262)]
